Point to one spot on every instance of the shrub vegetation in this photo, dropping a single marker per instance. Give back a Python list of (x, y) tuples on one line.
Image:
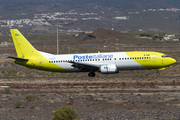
[(30, 96), (18, 104), (6, 90), (65, 113)]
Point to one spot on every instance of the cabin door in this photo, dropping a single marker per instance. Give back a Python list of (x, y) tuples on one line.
[(154, 58)]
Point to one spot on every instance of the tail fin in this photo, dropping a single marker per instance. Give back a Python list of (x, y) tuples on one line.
[(23, 48)]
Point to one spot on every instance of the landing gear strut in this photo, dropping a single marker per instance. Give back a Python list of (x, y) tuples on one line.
[(91, 74), (158, 73)]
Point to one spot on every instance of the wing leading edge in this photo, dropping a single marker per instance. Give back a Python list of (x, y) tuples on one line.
[(85, 67)]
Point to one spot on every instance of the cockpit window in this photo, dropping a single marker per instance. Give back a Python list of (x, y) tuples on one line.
[(164, 56)]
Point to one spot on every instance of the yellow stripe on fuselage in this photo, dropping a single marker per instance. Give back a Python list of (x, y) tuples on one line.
[(41, 63), (150, 60)]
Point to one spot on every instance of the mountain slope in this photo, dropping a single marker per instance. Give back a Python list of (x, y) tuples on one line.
[(123, 4)]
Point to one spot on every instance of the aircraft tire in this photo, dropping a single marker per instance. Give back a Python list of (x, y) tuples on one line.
[(158, 73), (91, 74)]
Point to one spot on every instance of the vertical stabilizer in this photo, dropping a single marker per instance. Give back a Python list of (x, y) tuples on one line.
[(23, 48)]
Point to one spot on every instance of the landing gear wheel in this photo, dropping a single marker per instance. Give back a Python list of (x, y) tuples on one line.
[(158, 73), (91, 74)]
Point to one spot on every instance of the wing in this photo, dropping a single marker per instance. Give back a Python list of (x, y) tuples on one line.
[(85, 67)]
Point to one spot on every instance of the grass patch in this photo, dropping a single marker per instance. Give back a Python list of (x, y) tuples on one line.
[(173, 82), (30, 96), (18, 104), (66, 113), (6, 90)]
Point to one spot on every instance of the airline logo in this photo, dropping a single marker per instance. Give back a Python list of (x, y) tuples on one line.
[(17, 35), (146, 54), (92, 56), (106, 68)]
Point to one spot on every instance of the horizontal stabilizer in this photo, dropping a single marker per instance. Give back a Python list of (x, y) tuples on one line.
[(17, 58)]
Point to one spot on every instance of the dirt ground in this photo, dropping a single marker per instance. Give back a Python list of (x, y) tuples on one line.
[(93, 98)]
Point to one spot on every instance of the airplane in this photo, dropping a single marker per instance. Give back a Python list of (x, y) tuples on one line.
[(106, 63)]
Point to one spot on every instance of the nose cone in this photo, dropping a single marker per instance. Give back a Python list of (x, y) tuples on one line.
[(172, 61)]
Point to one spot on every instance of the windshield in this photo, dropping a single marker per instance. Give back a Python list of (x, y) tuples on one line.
[(164, 56)]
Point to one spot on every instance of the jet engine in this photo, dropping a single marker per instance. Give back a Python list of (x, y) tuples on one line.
[(109, 69)]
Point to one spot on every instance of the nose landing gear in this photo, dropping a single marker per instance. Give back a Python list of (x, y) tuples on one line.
[(158, 73)]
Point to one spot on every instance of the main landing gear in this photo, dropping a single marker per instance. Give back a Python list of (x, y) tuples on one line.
[(158, 73), (91, 74)]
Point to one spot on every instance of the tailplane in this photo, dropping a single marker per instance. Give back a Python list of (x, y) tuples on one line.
[(23, 48)]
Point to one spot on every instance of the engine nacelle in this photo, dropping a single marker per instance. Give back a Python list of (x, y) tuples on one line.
[(109, 69)]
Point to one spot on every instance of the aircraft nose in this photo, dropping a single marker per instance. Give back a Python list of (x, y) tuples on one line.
[(173, 61)]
